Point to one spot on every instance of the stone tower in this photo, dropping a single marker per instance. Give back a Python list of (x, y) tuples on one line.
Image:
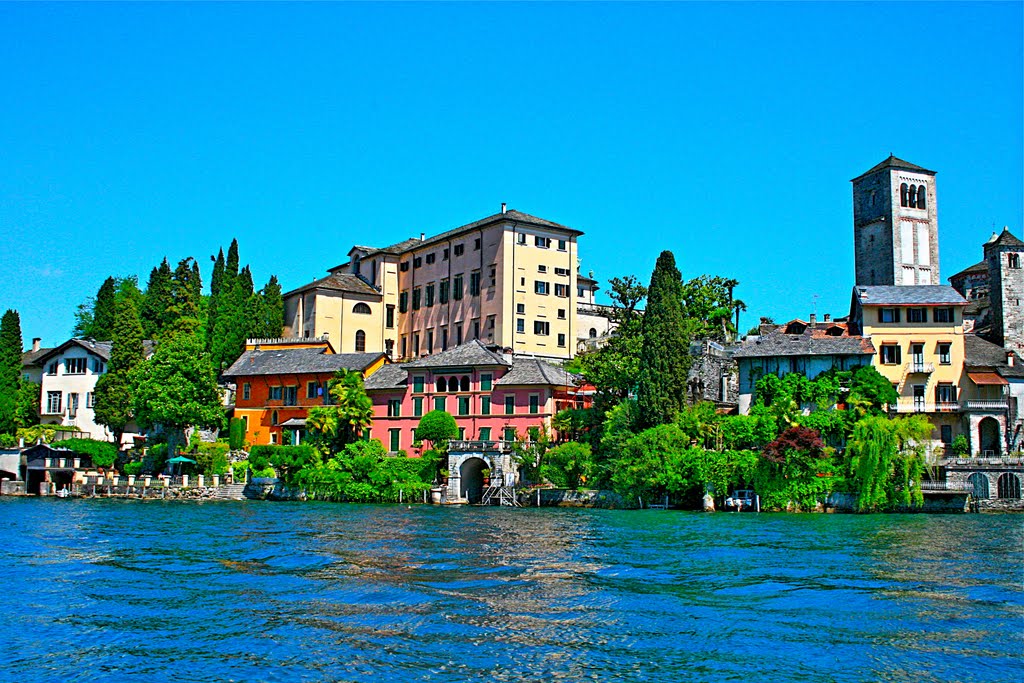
[(895, 225), (1004, 255)]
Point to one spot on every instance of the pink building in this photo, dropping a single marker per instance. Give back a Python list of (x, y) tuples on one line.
[(492, 395)]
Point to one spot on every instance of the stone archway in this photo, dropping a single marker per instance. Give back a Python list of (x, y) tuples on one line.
[(988, 436), (472, 479)]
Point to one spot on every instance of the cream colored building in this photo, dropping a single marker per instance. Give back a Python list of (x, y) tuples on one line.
[(508, 279)]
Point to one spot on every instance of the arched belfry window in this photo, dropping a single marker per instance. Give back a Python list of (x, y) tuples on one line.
[(913, 196), (453, 384), (441, 384), (1013, 261), (904, 194), (360, 341), (922, 194), (464, 384), (361, 308)]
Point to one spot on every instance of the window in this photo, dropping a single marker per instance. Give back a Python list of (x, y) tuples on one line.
[(439, 403), (520, 309), (360, 341), (90, 399), (458, 335), (395, 438), (98, 366), (416, 294), (417, 406), (361, 309), (912, 202), (291, 396), (564, 272), (541, 327), (476, 244), (944, 358), (540, 287), (403, 302), (561, 340), (579, 292), (273, 418), (246, 391), (510, 404), (593, 333), (273, 435), (944, 315), (444, 338), (53, 400), (328, 399), (453, 384), (74, 366), (562, 291), (534, 404), (429, 296), (431, 257), (443, 291), (891, 354), (311, 389), (474, 283), (1013, 261), (404, 345), (459, 249), (521, 238), (888, 315), (462, 433), (946, 434), (521, 325), (430, 341), (417, 384), (485, 433), (542, 269), (1008, 486), (542, 242), (389, 319), (917, 315), (485, 405), (394, 407), (922, 194), (457, 287), (904, 195), (561, 245), (486, 381), (463, 405), (508, 434), (441, 385), (945, 393), (561, 314), (51, 369), (417, 262), (275, 394), (464, 383), (404, 266), (445, 253), (493, 275), (476, 328)]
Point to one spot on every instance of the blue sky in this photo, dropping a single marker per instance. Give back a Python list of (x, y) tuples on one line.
[(727, 133)]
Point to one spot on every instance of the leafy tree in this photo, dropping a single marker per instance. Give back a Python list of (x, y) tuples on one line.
[(157, 305), (102, 453), (648, 467), (362, 472), (84, 318), (333, 427), (28, 404), (115, 390), (569, 464), (128, 289), (232, 326), (796, 469), (10, 371), (185, 297), (177, 388), (664, 355), (710, 307), (104, 311), (870, 392), (231, 264), (438, 427), (287, 461), (614, 367), (269, 321), (887, 462)]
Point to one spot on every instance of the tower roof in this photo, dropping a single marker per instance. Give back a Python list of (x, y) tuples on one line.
[(1003, 239), (894, 162)]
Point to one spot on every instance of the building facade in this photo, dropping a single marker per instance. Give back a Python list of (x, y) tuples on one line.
[(895, 225)]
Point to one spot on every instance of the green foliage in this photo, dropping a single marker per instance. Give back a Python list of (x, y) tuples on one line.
[(960, 446), (614, 367), (568, 465), (185, 294), (269, 320), (529, 451), (236, 433), (887, 463), (287, 461), (115, 390), (331, 428), (211, 458), (238, 469), (102, 453), (47, 433), (710, 307), (28, 404), (648, 466), (438, 427), (216, 286), (870, 392), (132, 468), (8, 441), (664, 355), (104, 311), (10, 371), (233, 323), (796, 469), (156, 310), (362, 472)]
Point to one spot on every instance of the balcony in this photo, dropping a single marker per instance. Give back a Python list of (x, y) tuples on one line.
[(920, 368), (990, 405), (464, 446), (911, 405)]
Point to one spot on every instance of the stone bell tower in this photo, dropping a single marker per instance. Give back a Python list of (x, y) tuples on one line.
[(1004, 255), (895, 225)]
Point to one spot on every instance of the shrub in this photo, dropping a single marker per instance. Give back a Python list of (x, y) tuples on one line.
[(45, 432), (101, 453), (438, 427), (568, 465), (132, 467), (236, 434), (211, 458), (8, 441), (287, 461), (960, 446)]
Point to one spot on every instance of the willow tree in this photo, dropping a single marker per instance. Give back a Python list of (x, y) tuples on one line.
[(887, 461)]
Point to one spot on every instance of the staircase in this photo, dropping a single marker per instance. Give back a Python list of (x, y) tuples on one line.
[(505, 495), (230, 492)]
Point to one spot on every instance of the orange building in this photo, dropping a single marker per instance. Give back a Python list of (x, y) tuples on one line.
[(278, 380)]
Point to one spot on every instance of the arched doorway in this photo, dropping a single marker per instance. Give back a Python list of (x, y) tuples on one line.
[(471, 474), (988, 436), (979, 486)]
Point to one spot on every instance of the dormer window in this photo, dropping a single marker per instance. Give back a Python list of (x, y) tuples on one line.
[(834, 331), (795, 327)]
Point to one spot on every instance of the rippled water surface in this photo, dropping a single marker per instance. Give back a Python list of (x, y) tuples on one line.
[(152, 591)]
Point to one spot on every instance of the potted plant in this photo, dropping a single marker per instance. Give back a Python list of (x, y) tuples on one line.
[(486, 473)]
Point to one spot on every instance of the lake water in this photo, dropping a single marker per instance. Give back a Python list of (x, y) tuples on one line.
[(112, 590)]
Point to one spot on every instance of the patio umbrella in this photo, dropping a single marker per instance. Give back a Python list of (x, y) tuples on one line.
[(179, 460)]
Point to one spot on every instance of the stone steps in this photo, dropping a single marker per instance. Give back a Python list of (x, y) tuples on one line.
[(231, 492)]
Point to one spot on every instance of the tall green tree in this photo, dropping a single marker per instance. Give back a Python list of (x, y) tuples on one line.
[(216, 285), (269, 321), (115, 390), (231, 264), (333, 427), (104, 311), (10, 371), (177, 387), (613, 368), (156, 309), (665, 353), (234, 321), (185, 296)]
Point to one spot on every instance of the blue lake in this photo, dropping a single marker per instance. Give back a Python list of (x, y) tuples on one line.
[(112, 590)]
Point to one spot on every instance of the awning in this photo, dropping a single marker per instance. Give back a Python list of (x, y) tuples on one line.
[(986, 378), (294, 422)]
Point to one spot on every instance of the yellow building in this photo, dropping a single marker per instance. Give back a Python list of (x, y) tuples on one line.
[(508, 279)]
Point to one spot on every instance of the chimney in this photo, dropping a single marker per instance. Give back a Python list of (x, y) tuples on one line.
[(828, 317), (814, 319), (504, 207), (423, 237), (1010, 358), (35, 343)]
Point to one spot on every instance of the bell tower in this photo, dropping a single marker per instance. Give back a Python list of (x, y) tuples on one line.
[(1004, 255), (895, 225)]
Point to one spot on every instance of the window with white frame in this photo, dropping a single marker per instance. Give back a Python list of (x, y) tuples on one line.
[(541, 327), (53, 401), (74, 366)]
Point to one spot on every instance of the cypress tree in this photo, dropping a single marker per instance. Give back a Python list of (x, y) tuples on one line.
[(216, 285), (10, 371), (231, 265), (234, 321), (185, 288), (103, 312), (270, 313), (665, 353), (156, 310), (115, 390)]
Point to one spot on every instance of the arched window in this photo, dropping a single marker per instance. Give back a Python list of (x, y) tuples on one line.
[(904, 193), (593, 333), (464, 384), (979, 486), (361, 308), (273, 418), (1008, 486), (913, 197), (1013, 261), (453, 384), (922, 194), (360, 341)]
